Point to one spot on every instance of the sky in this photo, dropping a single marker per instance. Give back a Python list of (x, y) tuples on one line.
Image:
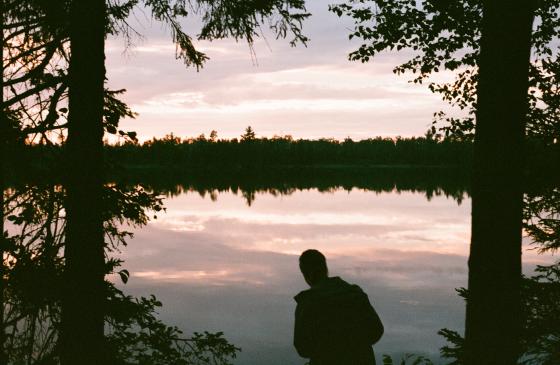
[(307, 92)]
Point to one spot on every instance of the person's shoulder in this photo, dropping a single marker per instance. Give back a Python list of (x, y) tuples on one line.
[(337, 281), (302, 296), (333, 287)]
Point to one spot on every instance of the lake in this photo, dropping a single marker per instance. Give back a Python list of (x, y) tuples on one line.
[(228, 261)]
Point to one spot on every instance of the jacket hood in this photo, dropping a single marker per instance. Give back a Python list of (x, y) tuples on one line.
[(330, 287)]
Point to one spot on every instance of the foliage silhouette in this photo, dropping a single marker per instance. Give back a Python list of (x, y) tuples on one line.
[(445, 36), (540, 337), (488, 45), (542, 218), (35, 285), (249, 135), (43, 73), (36, 51), (540, 292)]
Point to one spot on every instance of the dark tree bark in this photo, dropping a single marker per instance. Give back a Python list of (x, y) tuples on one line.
[(82, 336), (493, 320), (3, 140)]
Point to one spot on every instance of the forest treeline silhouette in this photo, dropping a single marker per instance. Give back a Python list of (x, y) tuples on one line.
[(282, 165), (262, 152), (251, 151), (175, 151)]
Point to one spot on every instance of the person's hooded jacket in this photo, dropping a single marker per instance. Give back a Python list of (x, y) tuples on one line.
[(335, 324)]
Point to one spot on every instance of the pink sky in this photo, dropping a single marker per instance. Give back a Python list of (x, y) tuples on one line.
[(308, 92)]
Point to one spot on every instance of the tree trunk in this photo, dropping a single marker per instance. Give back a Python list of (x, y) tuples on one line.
[(3, 139), (82, 334), (493, 321)]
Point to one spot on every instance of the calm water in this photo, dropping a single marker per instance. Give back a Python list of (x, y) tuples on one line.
[(219, 264)]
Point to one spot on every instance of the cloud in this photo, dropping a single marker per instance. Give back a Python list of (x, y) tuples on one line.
[(309, 92)]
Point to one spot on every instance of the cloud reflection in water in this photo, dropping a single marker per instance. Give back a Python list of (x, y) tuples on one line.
[(226, 266)]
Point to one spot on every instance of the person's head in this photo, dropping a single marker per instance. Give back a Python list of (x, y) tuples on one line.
[(313, 266)]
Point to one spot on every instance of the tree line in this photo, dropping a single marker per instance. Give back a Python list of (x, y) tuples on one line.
[(202, 152), (279, 151), (262, 152)]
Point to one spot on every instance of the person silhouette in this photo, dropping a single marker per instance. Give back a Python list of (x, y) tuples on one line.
[(335, 324)]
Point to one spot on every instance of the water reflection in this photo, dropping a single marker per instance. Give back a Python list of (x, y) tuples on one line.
[(233, 267), (34, 285), (221, 264), (285, 181)]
